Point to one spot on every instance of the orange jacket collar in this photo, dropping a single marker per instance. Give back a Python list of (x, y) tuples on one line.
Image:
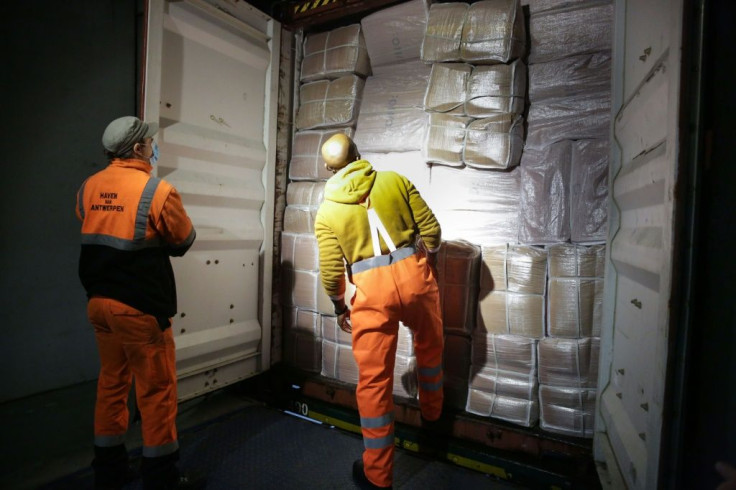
[(132, 163)]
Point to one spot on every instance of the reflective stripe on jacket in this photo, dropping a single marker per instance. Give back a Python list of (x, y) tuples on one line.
[(131, 224)]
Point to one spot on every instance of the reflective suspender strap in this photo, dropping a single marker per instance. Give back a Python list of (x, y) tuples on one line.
[(377, 228), (144, 207)]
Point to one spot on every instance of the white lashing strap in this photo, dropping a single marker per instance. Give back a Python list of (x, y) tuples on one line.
[(376, 229)]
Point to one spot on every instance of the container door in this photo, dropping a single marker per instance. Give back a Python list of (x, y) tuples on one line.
[(644, 171), (210, 81)]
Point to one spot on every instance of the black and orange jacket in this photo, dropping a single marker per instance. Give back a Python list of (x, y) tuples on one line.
[(131, 224)]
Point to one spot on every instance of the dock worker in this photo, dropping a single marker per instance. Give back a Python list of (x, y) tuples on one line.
[(378, 224), (132, 223)]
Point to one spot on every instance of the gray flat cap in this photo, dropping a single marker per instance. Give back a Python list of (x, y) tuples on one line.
[(124, 132)]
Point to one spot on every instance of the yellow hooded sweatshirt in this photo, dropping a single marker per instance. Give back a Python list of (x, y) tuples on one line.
[(342, 227)]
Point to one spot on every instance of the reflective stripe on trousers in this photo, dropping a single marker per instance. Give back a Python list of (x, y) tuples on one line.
[(130, 343), (402, 291)]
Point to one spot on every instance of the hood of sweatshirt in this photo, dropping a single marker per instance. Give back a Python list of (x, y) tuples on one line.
[(351, 184)]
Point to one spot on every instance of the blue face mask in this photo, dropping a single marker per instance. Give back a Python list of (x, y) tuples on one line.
[(154, 157)]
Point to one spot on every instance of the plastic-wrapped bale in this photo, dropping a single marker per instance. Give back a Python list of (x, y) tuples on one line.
[(391, 116), (395, 34), (589, 185), (544, 215), (445, 139), (304, 289), (334, 54), (302, 350), (515, 410), (571, 76), (512, 291), (523, 386), (302, 202), (538, 6), (494, 142), (455, 368), (494, 32), (299, 251), (479, 206), (496, 89), (569, 362), (329, 103), (569, 411), (575, 303), (410, 164), (458, 264), (447, 89), (584, 116), (570, 260), (444, 32), (565, 32), (338, 362), (302, 320), (503, 352), (306, 154)]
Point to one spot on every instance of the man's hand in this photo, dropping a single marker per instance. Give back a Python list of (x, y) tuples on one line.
[(343, 321)]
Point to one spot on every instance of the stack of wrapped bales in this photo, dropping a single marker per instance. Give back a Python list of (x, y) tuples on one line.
[(568, 357)]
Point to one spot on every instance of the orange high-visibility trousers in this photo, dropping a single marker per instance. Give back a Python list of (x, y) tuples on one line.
[(401, 291), (130, 343)]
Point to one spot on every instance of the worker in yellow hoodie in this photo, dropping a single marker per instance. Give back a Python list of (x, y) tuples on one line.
[(378, 224)]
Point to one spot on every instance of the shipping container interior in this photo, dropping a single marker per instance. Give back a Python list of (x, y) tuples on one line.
[(573, 152)]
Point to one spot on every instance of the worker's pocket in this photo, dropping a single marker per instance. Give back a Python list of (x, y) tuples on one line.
[(134, 326)]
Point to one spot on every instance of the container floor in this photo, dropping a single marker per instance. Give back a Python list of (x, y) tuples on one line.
[(238, 441)]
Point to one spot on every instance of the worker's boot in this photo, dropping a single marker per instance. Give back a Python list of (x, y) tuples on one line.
[(111, 467), (360, 479), (162, 473)]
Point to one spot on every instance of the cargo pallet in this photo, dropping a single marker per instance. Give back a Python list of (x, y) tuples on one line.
[(527, 456)]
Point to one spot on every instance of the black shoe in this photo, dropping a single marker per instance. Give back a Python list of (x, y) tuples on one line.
[(360, 479), (433, 436)]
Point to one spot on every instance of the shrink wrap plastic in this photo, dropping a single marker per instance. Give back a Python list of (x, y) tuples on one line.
[(589, 186), (516, 410), (512, 287), (494, 32), (565, 32), (569, 362), (299, 219), (334, 54), (568, 411), (569, 260), (302, 202), (301, 320), (537, 6), (489, 31), (445, 139), (566, 77), (582, 116), (391, 116), (496, 89), (299, 251), (513, 313), (506, 383), (394, 35), (458, 264), (302, 350), (447, 88), (514, 268), (329, 103), (545, 194), (306, 154), (410, 164), (308, 194), (479, 206), (455, 368), (575, 301), (444, 32), (504, 352), (304, 289), (494, 142), (338, 362)]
